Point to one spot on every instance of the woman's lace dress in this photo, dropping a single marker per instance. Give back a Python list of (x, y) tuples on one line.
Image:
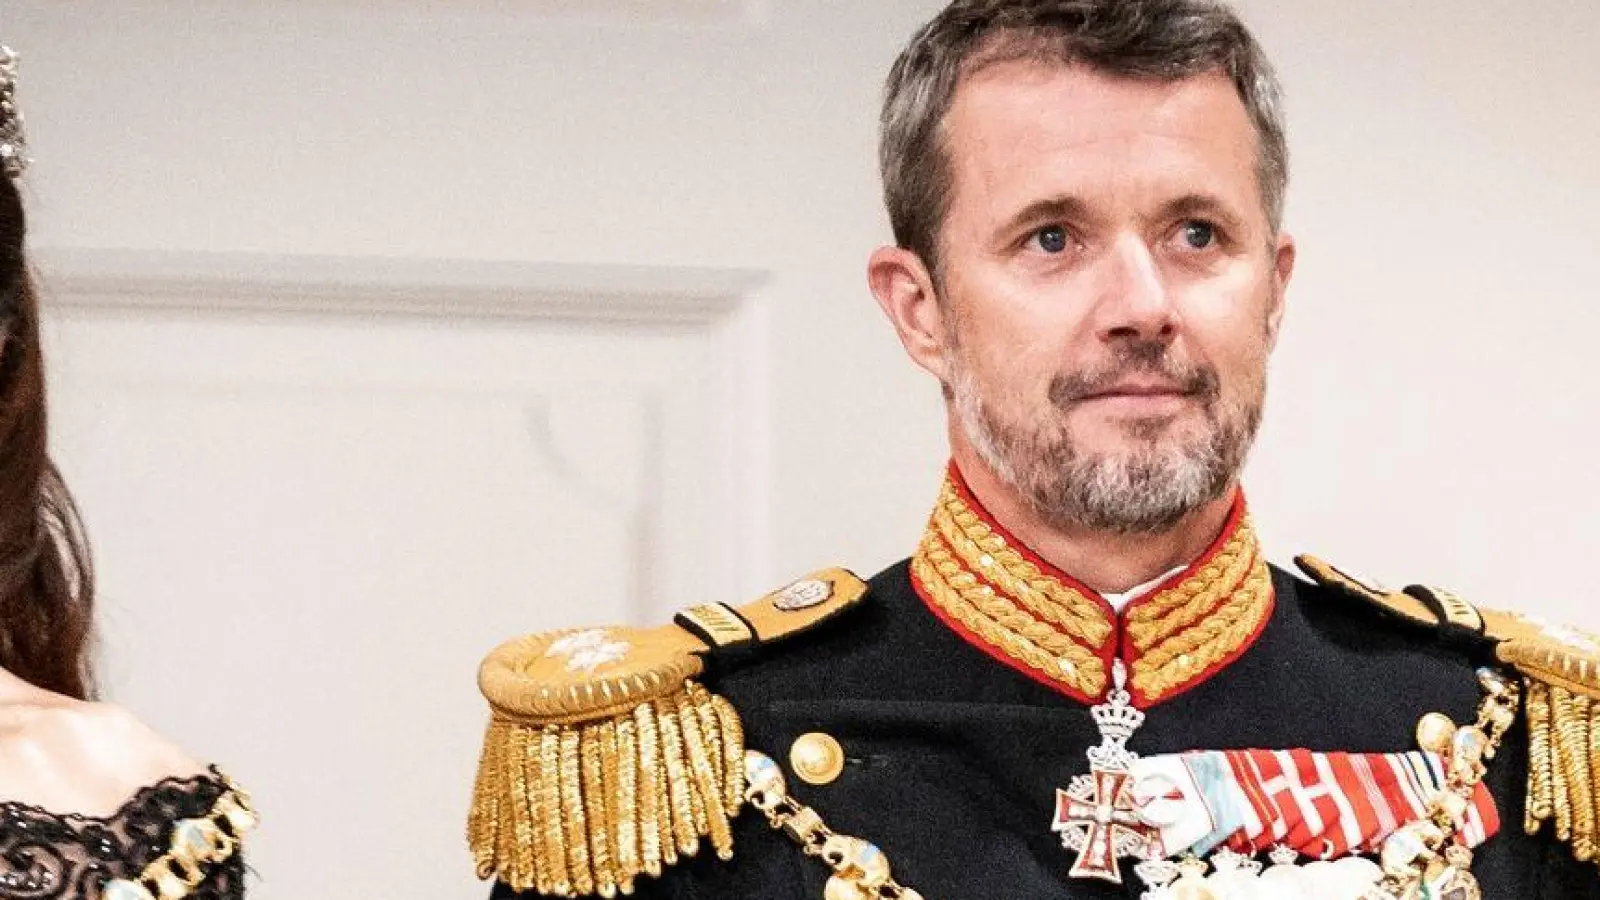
[(177, 838)]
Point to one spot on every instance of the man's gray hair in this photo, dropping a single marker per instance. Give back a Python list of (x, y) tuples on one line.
[(1164, 40)]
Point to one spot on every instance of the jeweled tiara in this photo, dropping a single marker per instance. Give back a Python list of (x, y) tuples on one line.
[(13, 144)]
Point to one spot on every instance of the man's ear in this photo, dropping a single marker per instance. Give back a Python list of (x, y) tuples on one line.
[(1283, 257), (906, 294)]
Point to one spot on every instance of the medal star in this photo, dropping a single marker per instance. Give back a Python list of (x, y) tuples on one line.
[(1098, 814), (586, 651), (1097, 817)]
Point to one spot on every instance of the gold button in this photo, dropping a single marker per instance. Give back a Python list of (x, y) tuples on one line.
[(816, 758), (1435, 733)]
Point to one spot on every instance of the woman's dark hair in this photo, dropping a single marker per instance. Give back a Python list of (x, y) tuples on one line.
[(46, 581)]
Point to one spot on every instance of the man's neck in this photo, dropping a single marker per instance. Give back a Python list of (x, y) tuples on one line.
[(1105, 561)]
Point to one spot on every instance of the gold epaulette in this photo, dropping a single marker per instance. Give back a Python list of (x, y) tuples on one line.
[(605, 759), (1561, 673), (1562, 669)]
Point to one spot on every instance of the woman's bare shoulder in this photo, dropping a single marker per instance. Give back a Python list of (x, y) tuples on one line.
[(84, 758)]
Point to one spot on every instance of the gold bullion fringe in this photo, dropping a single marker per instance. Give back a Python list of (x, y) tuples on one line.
[(1564, 766), (576, 810)]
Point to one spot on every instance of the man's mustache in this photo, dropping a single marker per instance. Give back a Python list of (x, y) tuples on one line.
[(1142, 361)]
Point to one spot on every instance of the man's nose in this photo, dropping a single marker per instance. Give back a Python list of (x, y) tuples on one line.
[(1134, 302)]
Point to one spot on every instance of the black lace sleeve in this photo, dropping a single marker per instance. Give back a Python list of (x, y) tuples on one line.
[(51, 856)]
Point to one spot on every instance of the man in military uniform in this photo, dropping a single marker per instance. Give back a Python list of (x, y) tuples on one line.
[(1087, 681)]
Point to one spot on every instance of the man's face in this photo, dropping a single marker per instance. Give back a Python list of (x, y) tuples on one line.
[(1111, 289)]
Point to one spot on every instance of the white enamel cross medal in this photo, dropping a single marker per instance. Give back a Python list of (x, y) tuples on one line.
[(1097, 815)]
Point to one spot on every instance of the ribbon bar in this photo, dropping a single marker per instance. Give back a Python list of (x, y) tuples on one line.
[(1323, 805)]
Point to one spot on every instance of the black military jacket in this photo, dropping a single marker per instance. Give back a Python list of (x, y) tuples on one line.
[(953, 759)]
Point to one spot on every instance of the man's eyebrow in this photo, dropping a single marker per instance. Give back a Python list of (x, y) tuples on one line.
[(1068, 208), (1063, 208), (1205, 205)]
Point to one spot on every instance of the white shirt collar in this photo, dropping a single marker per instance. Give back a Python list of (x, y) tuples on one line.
[(1120, 601)]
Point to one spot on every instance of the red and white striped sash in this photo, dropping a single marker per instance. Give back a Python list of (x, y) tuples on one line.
[(1324, 805)]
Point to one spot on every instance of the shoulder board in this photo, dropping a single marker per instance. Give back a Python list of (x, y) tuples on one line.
[(1435, 609), (1560, 669), (605, 759)]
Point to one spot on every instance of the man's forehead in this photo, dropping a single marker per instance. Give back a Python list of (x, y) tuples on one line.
[(1033, 119)]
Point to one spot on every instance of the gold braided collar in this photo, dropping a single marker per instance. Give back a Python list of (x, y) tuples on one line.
[(1001, 597)]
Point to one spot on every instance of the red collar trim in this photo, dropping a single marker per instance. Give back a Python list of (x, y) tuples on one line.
[(1004, 599)]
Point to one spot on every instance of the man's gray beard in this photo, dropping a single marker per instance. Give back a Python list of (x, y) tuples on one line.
[(1146, 491)]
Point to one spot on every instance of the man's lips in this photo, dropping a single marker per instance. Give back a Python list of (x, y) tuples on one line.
[(1135, 390)]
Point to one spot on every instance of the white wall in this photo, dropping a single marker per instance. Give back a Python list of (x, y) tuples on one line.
[(1436, 406), (1433, 408)]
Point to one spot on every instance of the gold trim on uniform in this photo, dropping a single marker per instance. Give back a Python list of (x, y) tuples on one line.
[(1172, 609), (720, 624), (605, 761), (1000, 597), (817, 758), (980, 549), (1562, 668), (860, 870), (1210, 638), (999, 622), (575, 810)]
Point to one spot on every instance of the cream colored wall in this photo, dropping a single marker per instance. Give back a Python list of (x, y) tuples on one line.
[(1434, 403)]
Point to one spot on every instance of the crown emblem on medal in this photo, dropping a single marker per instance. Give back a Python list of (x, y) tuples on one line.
[(1117, 719), (1098, 816)]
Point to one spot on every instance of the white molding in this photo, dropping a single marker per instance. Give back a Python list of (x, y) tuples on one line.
[(726, 304), (635, 13), (745, 344), (373, 286)]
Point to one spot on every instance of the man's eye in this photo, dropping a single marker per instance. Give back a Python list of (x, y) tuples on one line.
[(1199, 235), (1050, 240)]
